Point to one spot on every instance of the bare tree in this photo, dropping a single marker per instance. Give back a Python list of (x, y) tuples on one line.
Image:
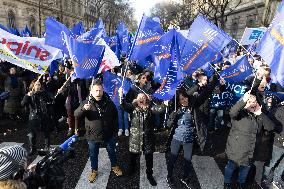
[(167, 12), (217, 10)]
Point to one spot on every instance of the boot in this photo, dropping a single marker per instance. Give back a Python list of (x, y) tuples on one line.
[(151, 180), (46, 144), (227, 186), (240, 186), (32, 144)]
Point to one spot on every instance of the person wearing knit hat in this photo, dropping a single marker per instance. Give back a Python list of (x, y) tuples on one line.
[(12, 159)]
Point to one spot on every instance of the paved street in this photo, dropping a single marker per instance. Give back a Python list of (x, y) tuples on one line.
[(208, 167)]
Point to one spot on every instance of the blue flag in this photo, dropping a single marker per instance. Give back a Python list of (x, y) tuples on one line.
[(162, 55), (86, 57), (217, 59), (279, 95), (91, 36), (15, 31), (231, 48), (148, 33), (113, 44), (53, 67), (112, 83), (237, 72), (100, 25), (209, 71), (4, 28), (172, 78), (54, 34), (271, 46), (26, 32), (123, 39), (78, 29), (202, 43)]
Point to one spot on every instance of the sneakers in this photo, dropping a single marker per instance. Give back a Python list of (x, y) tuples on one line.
[(117, 171), (119, 132), (93, 176), (126, 132), (151, 180), (186, 182)]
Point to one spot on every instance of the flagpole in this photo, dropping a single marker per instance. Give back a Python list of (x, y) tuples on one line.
[(40, 77), (64, 84), (252, 58), (244, 49), (136, 35), (131, 50), (89, 98), (143, 92), (215, 70)]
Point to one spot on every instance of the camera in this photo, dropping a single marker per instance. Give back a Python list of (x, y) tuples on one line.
[(48, 172)]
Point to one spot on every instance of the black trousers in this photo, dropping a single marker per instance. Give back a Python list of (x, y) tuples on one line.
[(149, 162)]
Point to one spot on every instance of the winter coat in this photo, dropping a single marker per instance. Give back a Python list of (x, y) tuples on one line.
[(13, 103), (101, 122), (199, 117), (141, 138), (40, 116), (134, 91), (246, 141), (277, 115)]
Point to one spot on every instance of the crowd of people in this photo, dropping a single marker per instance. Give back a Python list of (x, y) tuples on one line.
[(255, 121)]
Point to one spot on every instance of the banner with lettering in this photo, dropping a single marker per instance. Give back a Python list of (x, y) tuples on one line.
[(233, 92), (251, 35), (27, 52)]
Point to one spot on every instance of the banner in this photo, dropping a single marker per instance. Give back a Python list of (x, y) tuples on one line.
[(27, 52), (252, 34), (233, 92)]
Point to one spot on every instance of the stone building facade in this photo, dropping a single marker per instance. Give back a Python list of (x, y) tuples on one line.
[(250, 13), (19, 13)]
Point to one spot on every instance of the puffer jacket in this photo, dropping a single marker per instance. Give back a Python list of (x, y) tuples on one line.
[(101, 122), (141, 138), (39, 104), (246, 141)]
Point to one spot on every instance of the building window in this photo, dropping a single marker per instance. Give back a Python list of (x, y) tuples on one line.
[(251, 21), (67, 24), (234, 27), (32, 24), (11, 19)]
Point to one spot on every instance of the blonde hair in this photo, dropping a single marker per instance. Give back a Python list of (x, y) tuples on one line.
[(12, 184)]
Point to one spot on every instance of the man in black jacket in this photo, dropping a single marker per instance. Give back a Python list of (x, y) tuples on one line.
[(101, 122), (244, 144)]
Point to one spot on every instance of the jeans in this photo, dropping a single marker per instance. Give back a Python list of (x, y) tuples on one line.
[(231, 167), (149, 162), (94, 152), (187, 150), (122, 118), (276, 174), (215, 118)]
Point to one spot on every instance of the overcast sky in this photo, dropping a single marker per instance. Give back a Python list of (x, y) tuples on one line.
[(143, 6)]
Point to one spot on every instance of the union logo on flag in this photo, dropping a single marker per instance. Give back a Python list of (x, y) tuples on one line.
[(89, 64)]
